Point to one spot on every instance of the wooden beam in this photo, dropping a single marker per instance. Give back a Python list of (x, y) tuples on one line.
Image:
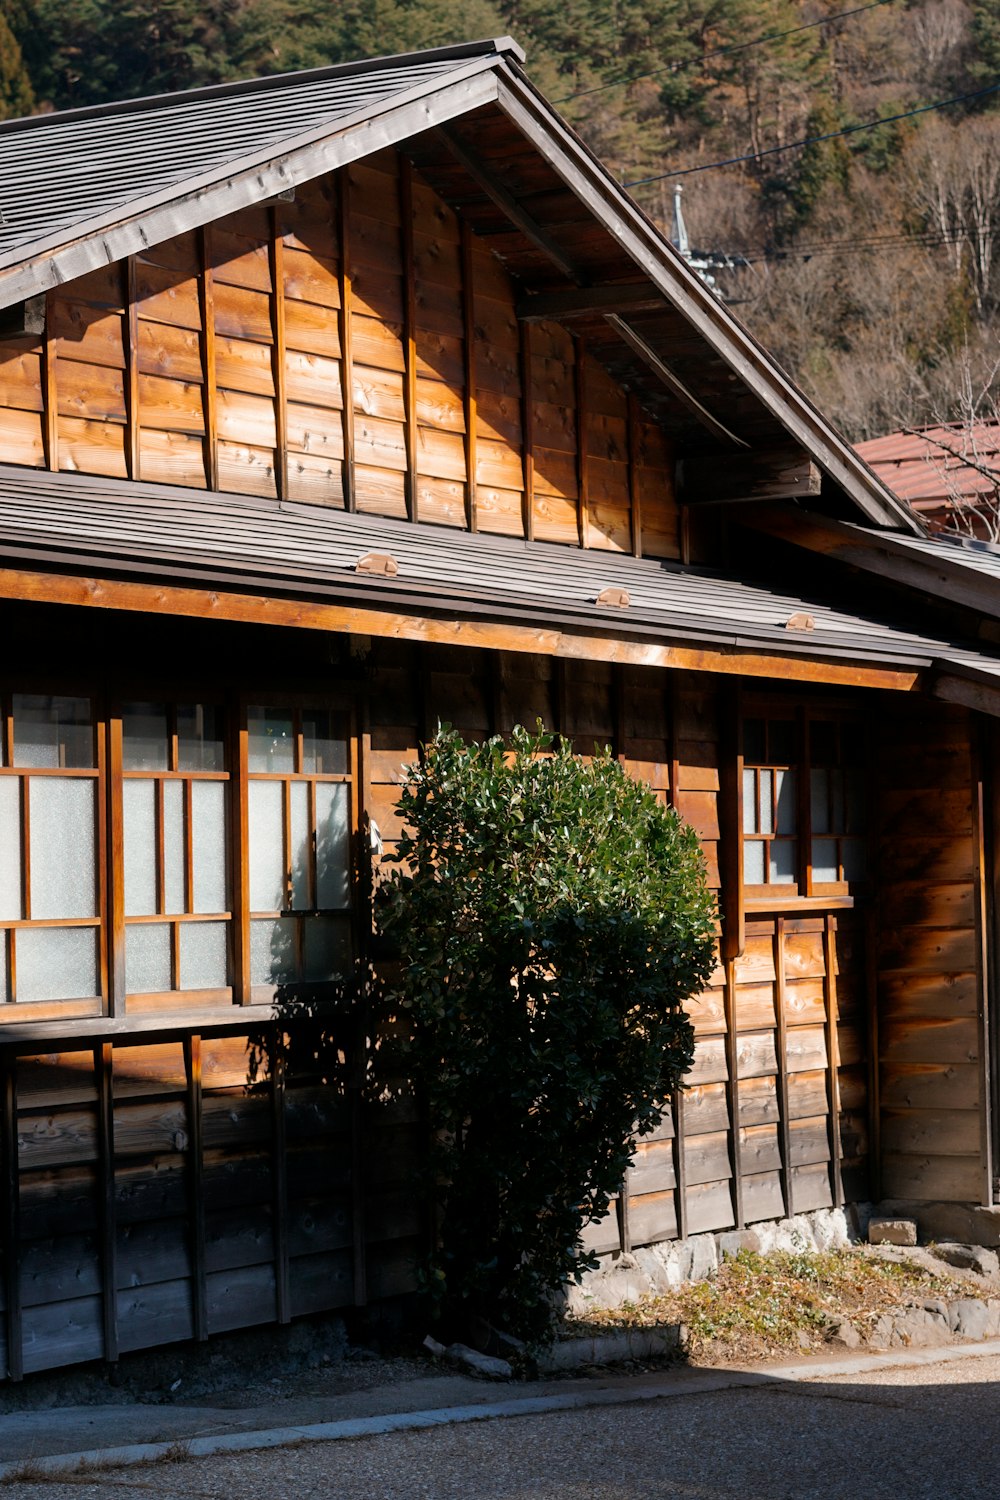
[(981, 801), (206, 295), (582, 441), (832, 1055), (132, 462), (10, 1209), (536, 639), (196, 1185), (276, 247), (469, 390), (781, 1043), (635, 499), (527, 433), (50, 393), (762, 474), (279, 1147), (103, 1070), (346, 354), (590, 302), (409, 332), (733, 1092), (732, 906), (485, 179), (673, 382)]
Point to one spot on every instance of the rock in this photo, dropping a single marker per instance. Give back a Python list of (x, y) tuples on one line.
[(433, 1347), (736, 1240), (480, 1364), (704, 1256), (843, 1333), (968, 1258), (656, 1269), (830, 1229), (969, 1318), (919, 1328), (892, 1231)]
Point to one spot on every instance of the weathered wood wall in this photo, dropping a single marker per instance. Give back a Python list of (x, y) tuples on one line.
[(220, 360), (931, 1054)]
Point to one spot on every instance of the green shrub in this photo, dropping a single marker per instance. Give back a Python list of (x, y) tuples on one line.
[(552, 918)]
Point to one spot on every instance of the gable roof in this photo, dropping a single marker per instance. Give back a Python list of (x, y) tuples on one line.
[(91, 186), (939, 469)]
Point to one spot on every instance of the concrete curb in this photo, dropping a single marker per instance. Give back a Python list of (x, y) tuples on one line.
[(683, 1384)]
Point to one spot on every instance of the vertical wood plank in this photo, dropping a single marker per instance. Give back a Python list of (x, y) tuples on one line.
[(104, 1076), (733, 1092), (346, 351), (196, 1185), (469, 351), (131, 301), (582, 442), (11, 1209), (992, 828), (781, 1008), (206, 293), (277, 258), (832, 1055), (50, 391), (409, 334), (635, 498), (240, 850), (979, 804), (731, 902), (116, 867), (680, 1164), (279, 1137), (872, 927), (672, 690), (527, 433), (103, 837)]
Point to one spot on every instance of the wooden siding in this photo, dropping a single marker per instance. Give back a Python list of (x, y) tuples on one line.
[(356, 347)]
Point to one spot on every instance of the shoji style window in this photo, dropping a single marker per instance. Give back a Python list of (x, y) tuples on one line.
[(299, 849), (177, 887), (804, 805), (51, 894)]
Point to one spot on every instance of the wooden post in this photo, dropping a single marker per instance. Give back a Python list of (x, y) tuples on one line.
[(527, 433), (206, 292), (50, 393), (103, 1072), (116, 862), (279, 1139), (132, 460), (409, 334), (680, 1164), (980, 803), (196, 1186), (239, 760), (582, 442), (469, 351), (784, 1119), (635, 499), (11, 1218), (346, 355), (276, 248), (731, 902), (832, 1054), (871, 929), (733, 1091)]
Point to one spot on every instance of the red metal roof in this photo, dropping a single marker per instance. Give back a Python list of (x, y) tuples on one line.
[(938, 469)]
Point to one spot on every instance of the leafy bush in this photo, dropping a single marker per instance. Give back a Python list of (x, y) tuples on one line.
[(552, 919)]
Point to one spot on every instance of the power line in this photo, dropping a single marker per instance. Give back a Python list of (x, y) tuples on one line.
[(929, 240), (692, 62), (813, 140)]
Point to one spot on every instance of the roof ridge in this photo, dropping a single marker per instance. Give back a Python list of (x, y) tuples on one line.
[(502, 47)]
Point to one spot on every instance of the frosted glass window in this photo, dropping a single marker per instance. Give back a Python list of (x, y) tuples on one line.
[(139, 805), (271, 740), (204, 963), (824, 860), (5, 938), (208, 846), (56, 963), (272, 951), (326, 948), (53, 733), (333, 856), (10, 848), (267, 845), (785, 802), (782, 862), (301, 845), (173, 848), (63, 847), (750, 802), (144, 737), (200, 738), (147, 958), (324, 742), (766, 783), (753, 862)]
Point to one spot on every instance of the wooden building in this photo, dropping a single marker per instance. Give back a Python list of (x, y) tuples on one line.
[(334, 404)]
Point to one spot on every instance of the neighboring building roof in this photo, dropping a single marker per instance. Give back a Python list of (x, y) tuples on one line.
[(233, 542), (938, 470), (82, 189)]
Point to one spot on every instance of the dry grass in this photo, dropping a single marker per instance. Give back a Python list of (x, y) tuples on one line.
[(759, 1305)]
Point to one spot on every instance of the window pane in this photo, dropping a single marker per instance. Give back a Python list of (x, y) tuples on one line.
[(781, 742), (10, 847), (271, 740), (56, 733), (787, 805), (200, 737), (766, 783), (204, 964), (267, 846), (62, 839), (750, 802), (326, 947), (173, 848), (824, 860), (782, 862), (301, 845), (208, 846), (139, 805), (144, 737), (333, 855), (819, 801), (753, 862), (754, 745), (147, 958), (56, 963), (272, 951), (324, 742)]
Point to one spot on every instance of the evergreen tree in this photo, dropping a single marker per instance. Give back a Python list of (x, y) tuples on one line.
[(16, 94)]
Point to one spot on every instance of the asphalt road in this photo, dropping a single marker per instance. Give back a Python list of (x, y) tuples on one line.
[(916, 1433)]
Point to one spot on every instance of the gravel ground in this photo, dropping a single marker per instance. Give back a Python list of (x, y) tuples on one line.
[(930, 1433)]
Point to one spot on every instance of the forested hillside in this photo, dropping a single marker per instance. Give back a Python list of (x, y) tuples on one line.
[(870, 260)]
